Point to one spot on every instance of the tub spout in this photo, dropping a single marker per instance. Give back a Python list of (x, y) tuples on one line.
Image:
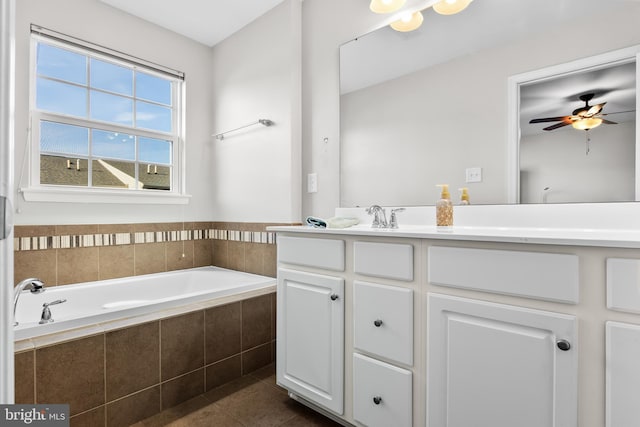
[(36, 286)]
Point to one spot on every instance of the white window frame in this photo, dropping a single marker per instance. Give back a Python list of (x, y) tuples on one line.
[(34, 191)]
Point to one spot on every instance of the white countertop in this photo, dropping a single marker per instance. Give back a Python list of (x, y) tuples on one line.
[(532, 235)]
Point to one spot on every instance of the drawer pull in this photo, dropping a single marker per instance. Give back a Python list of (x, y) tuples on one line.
[(334, 297), (563, 345), (377, 400), (377, 322)]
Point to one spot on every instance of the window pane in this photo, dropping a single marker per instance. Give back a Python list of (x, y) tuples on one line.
[(111, 108), (113, 174), (154, 150), (153, 88), (63, 139), (111, 77), (113, 145), (61, 170), (56, 97), (61, 64), (155, 177), (154, 117)]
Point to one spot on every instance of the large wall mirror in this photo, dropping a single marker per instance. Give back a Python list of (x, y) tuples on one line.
[(456, 96)]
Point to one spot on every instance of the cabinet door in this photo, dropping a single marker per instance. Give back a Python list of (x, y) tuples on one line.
[(499, 365), (310, 337), (623, 374)]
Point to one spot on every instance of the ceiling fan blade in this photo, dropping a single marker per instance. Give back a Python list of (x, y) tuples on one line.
[(618, 112), (556, 126), (549, 119), (609, 122)]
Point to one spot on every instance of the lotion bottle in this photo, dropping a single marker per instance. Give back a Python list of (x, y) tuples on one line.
[(444, 209), (464, 197)]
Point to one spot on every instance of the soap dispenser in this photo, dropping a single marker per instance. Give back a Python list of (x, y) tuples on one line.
[(444, 208), (464, 197)]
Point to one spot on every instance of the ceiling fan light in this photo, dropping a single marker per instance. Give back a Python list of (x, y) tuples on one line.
[(385, 6), (451, 7), (587, 123), (408, 23)]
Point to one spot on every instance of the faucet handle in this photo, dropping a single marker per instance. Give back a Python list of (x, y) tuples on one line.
[(393, 222), (46, 311), (377, 222)]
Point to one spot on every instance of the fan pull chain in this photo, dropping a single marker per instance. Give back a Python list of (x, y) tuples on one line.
[(588, 140)]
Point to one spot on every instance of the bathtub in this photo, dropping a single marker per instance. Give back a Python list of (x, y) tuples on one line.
[(102, 301)]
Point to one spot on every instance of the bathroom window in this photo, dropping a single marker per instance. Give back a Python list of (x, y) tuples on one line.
[(101, 121)]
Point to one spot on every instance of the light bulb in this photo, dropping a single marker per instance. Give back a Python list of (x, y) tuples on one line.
[(408, 22), (385, 6), (450, 7)]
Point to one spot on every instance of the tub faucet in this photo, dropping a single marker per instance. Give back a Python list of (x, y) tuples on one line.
[(46, 311), (379, 216), (36, 286)]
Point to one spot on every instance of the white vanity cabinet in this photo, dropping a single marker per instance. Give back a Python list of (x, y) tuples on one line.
[(499, 365), (310, 321)]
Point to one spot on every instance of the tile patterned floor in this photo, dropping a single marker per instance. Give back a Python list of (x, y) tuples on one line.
[(251, 401)]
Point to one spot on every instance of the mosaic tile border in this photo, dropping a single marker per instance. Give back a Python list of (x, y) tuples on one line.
[(114, 239)]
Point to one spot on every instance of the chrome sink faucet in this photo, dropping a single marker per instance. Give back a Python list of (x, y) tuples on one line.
[(379, 216), (36, 286)]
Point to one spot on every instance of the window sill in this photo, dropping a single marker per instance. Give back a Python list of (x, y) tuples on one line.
[(81, 195)]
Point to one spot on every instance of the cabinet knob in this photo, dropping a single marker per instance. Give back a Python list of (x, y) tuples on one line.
[(334, 297), (377, 322), (563, 345), (377, 400)]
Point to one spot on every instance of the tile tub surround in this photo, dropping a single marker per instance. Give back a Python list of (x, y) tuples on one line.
[(64, 254), (123, 376)]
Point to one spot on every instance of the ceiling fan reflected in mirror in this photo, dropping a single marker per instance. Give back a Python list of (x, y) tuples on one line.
[(582, 118)]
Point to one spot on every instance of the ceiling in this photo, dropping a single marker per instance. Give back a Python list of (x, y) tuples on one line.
[(205, 21)]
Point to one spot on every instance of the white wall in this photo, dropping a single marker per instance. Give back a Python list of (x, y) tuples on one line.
[(607, 173), (256, 75), (98, 23), (328, 23)]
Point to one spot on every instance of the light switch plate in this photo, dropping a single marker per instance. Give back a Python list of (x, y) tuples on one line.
[(474, 174)]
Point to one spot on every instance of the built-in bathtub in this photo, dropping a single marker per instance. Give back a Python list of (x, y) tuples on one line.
[(94, 303)]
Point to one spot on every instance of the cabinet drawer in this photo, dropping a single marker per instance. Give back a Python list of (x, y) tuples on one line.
[(545, 276), (388, 260), (623, 276), (382, 393), (320, 253), (383, 321)]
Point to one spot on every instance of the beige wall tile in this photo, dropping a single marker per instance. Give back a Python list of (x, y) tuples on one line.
[(132, 359), (77, 265), (115, 228), (24, 377), (182, 344), (256, 321), (270, 261), (150, 258), (67, 230), (254, 257), (236, 255), (39, 264), (221, 253), (73, 373), (179, 255), (222, 332), (34, 230), (202, 253), (116, 261)]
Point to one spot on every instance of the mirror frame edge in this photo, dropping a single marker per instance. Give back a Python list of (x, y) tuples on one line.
[(618, 56)]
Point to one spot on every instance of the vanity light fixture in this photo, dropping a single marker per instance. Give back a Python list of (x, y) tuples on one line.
[(408, 22), (451, 7), (587, 123), (386, 6)]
